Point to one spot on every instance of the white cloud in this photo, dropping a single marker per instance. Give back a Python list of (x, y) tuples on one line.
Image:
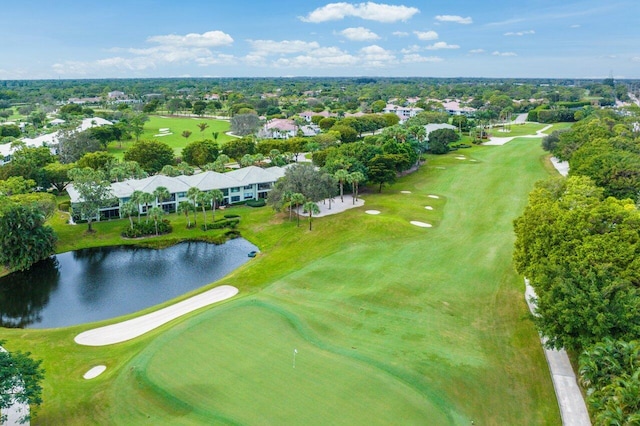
[(442, 45), (325, 57), (272, 47), (411, 49), (415, 58), (426, 35), (400, 33), (497, 53), (519, 33), (575, 26), (359, 34), (370, 11), (476, 51), (454, 18), (208, 39), (376, 56)]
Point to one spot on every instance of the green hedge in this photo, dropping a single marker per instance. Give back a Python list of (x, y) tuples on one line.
[(145, 228), (257, 203), (231, 215), (219, 224)]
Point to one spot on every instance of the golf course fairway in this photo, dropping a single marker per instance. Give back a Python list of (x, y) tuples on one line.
[(392, 323)]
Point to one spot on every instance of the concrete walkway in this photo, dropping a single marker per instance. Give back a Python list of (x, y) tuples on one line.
[(503, 140), (15, 412), (127, 330), (573, 409)]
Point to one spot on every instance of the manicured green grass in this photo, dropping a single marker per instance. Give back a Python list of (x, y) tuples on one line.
[(517, 130), (176, 125), (394, 324)]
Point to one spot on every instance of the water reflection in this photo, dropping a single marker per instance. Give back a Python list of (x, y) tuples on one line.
[(23, 297), (95, 284)]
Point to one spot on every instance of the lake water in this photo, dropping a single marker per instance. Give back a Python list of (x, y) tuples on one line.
[(100, 283)]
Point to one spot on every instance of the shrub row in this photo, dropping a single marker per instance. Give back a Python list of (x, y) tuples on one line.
[(145, 228), (219, 224), (257, 203)]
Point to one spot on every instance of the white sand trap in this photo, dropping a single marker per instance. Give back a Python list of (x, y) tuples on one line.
[(94, 372), (473, 160), (405, 192), (461, 158), (428, 207), (440, 167), (433, 196), (130, 329), (420, 224), (372, 211), (162, 134)]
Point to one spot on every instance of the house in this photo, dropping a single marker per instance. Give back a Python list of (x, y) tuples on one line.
[(308, 114), (237, 186), (403, 112), (453, 107), (279, 128), (116, 94), (50, 139)]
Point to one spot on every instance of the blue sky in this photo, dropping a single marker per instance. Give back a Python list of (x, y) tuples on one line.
[(241, 38)]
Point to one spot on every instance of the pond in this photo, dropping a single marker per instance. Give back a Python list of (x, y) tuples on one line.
[(95, 284)]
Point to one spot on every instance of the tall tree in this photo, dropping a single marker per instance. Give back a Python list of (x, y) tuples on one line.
[(136, 198), (382, 170), (245, 124), (216, 197), (193, 194), (147, 199), (161, 194), (186, 207), (204, 198), (24, 238), (20, 381), (311, 208), (156, 214), (73, 145), (199, 153), (152, 156), (298, 199), (354, 179), (341, 176), (129, 209), (94, 191)]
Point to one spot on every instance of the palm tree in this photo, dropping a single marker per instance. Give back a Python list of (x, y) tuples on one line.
[(286, 201), (354, 179), (155, 213), (202, 126), (192, 195), (162, 194), (186, 207), (341, 175), (129, 209), (216, 197), (136, 198), (204, 198), (311, 208), (147, 198), (297, 199)]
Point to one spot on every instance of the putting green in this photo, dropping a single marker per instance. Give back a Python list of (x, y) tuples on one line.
[(235, 365)]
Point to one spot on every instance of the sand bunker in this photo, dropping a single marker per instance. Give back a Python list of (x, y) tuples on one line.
[(372, 211), (428, 207), (461, 158), (439, 167), (405, 192), (130, 329), (94, 372), (420, 224), (433, 196)]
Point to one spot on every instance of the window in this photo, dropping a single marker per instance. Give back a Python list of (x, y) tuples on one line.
[(248, 195), (235, 198), (248, 187), (182, 194), (235, 189)]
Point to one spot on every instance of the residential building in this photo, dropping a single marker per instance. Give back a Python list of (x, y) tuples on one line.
[(237, 186)]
